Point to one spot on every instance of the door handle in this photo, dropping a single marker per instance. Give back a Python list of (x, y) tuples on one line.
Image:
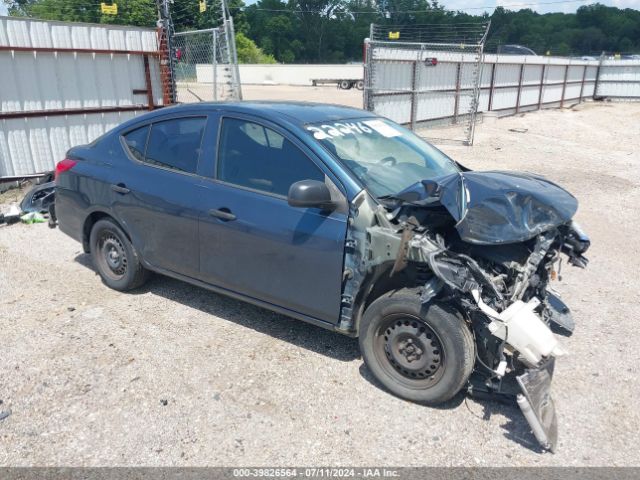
[(120, 188), (223, 214)]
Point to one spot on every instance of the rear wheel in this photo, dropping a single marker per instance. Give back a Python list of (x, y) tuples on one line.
[(115, 258), (360, 85), (423, 353), (344, 84)]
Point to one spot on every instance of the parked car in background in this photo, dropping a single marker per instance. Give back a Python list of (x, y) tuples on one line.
[(345, 220), (515, 50)]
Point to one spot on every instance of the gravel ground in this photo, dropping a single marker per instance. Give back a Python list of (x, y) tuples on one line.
[(176, 375)]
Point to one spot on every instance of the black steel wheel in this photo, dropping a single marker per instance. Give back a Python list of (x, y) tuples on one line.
[(409, 350), (114, 257), (420, 352)]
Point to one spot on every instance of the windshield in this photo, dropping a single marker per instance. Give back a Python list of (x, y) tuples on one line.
[(386, 157)]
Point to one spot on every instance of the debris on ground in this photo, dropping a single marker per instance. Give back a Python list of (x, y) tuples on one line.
[(32, 217), (39, 198), (37, 205), (4, 414), (12, 215)]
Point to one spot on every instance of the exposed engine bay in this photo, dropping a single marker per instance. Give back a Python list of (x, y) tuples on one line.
[(488, 243)]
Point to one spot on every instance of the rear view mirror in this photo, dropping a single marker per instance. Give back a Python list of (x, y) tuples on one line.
[(310, 194)]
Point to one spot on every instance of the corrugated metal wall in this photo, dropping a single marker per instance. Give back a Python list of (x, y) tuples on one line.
[(65, 84), (513, 83), (508, 83), (619, 78)]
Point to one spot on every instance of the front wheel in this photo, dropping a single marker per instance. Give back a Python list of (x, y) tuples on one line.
[(420, 352), (115, 258)]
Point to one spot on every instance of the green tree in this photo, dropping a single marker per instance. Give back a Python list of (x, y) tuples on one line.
[(248, 51), (312, 31)]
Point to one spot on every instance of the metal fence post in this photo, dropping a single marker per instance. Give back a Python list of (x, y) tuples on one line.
[(544, 69), (456, 104), (584, 76), (214, 34), (147, 81), (414, 95), (564, 85), (491, 85), (595, 86), (367, 104), (166, 73), (519, 88)]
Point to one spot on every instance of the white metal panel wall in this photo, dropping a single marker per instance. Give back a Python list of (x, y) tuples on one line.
[(26, 32), (508, 83), (44, 81), (47, 81), (30, 145), (619, 78)]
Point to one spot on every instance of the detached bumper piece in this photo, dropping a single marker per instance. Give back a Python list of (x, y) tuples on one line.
[(537, 405)]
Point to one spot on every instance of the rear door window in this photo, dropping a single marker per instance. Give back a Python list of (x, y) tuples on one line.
[(253, 156), (136, 141), (174, 143)]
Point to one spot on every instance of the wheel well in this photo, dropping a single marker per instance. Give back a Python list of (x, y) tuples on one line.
[(89, 222), (381, 282)]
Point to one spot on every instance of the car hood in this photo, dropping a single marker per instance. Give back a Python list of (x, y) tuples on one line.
[(496, 207)]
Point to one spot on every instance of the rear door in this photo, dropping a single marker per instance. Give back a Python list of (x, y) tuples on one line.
[(251, 241), (155, 194)]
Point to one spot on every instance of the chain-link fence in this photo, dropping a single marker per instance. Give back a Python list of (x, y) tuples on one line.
[(205, 65), (426, 77)]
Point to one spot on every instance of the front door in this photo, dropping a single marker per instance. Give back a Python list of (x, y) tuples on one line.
[(252, 242)]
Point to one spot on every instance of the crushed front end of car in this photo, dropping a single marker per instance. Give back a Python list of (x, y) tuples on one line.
[(488, 243)]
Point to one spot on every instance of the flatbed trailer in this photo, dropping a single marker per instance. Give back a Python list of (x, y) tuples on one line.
[(342, 83)]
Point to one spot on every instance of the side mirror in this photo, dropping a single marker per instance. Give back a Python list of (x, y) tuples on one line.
[(310, 193)]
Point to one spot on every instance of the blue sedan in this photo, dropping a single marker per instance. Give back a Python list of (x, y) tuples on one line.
[(346, 220)]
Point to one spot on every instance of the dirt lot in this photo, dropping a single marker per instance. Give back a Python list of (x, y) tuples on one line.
[(176, 375)]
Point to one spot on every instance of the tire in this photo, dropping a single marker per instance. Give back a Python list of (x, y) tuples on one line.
[(344, 84), (115, 258), (360, 85), (422, 353)]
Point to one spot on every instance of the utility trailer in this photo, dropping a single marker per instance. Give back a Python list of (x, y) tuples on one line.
[(342, 83)]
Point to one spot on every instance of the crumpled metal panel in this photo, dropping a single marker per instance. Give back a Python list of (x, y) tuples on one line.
[(496, 207)]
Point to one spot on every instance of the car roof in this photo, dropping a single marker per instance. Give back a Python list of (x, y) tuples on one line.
[(296, 112)]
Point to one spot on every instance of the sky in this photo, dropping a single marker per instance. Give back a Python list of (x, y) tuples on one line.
[(478, 6), (540, 6)]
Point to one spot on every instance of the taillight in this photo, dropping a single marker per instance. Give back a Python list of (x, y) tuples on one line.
[(63, 166)]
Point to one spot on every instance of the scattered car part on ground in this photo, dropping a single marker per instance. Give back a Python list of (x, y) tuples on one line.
[(443, 273), (11, 216), (40, 197)]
